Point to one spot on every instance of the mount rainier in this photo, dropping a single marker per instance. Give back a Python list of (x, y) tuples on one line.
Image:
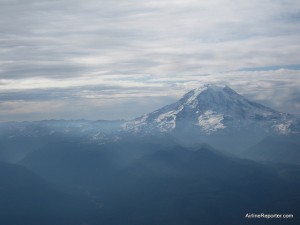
[(214, 109), (212, 114)]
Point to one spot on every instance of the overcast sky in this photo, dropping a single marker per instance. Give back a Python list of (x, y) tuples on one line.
[(109, 59)]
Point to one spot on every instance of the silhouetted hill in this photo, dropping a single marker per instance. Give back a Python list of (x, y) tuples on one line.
[(275, 150), (169, 185)]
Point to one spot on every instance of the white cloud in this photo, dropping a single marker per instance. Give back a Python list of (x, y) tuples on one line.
[(148, 48)]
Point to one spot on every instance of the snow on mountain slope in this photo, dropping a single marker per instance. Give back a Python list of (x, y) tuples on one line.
[(93, 130), (213, 109)]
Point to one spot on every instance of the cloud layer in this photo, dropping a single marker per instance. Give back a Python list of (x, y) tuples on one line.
[(60, 57)]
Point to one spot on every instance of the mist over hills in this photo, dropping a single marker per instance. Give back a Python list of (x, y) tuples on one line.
[(212, 114), (209, 158), (150, 183)]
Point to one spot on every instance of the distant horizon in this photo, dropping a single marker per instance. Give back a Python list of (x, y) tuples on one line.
[(123, 119)]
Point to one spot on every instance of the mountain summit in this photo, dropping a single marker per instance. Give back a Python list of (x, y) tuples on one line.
[(212, 109)]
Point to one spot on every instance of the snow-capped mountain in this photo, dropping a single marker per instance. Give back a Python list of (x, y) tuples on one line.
[(212, 109)]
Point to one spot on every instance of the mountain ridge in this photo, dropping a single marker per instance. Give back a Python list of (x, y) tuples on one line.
[(213, 109)]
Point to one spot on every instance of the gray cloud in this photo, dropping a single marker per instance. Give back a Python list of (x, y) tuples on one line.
[(70, 50)]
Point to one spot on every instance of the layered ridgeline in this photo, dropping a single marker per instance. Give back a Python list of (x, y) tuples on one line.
[(19, 138), (157, 169), (212, 114)]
